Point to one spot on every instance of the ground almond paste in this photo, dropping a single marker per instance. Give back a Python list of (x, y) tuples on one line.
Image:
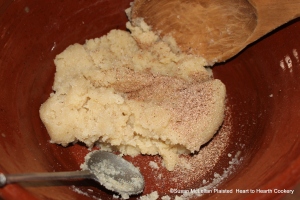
[(135, 93)]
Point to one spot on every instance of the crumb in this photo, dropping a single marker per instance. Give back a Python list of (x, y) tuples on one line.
[(153, 165), (152, 196), (165, 198)]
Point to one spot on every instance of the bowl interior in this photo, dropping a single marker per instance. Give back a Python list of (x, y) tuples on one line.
[(261, 127)]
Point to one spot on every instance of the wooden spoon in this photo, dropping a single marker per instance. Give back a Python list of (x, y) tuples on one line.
[(215, 29)]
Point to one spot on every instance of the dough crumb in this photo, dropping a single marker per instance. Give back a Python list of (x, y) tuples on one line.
[(152, 196), (153, 165)]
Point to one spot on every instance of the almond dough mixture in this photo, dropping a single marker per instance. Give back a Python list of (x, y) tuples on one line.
[(136, 93)]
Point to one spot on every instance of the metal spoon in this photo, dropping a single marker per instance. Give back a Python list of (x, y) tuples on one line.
[(216, 30), (110, 170)]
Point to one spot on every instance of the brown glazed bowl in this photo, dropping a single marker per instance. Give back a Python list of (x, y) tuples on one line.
[(263, 93)]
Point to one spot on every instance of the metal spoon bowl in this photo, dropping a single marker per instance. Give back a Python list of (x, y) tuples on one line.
[(110, 170), (114, 173)]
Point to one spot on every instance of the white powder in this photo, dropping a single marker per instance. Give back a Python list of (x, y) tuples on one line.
[(218, 179)]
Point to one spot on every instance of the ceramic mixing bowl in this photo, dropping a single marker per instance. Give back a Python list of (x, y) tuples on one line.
[(256, 149)]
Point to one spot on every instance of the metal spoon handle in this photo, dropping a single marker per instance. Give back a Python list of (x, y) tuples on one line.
[(14, 178)]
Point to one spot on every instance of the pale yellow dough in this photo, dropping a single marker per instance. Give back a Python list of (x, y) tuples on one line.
[(134, 93)]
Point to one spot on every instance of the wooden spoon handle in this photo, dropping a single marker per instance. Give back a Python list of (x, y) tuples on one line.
[(272, 14)]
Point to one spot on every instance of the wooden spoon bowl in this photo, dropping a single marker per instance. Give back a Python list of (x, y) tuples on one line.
[(216, 30)]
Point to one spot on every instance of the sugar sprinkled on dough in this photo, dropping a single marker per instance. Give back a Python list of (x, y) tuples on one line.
[(135, 93)]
